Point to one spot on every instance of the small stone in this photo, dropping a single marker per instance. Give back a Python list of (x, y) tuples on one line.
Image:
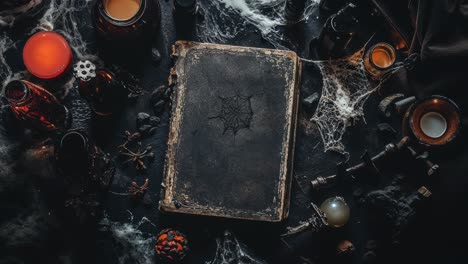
[(155, 55), (386, 130), (158, 107), (154, 121), (144, 129), (152, 131), (167, 94), (311, 100), (369, 257), (147, 200), (142, 118), (158, 93)]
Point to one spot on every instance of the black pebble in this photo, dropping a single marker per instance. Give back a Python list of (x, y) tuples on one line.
[(154, 121), (145, 129), (158, 107), (152, 131), (158, 93), (386, 130), (167, 94), (311, 101), (155, 55), (142, 119)]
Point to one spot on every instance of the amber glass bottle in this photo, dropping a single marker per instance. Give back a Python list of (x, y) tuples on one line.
[(36, 106)]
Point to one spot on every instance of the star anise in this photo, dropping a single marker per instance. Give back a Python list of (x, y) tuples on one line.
[(130, 138), (137, 190), (137, 157)]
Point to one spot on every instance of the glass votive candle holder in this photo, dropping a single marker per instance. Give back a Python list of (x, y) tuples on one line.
[(379, 60), (434, 121)]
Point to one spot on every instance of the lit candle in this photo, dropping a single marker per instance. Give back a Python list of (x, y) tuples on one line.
[(382, 58), (379, 59), (122, 9), (47, 55), (433, 124)]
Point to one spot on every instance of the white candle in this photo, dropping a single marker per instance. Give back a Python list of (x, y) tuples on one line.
[(433, 124)]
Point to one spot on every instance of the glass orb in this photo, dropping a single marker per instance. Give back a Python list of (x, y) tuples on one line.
[(336, 210)]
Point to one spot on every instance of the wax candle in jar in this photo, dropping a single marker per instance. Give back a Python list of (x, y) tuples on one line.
[(379, 59), (126, 22), (433, 124), (47, 55), (122, 9)]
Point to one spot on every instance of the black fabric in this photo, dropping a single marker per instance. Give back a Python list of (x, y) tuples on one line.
[(442, 42)]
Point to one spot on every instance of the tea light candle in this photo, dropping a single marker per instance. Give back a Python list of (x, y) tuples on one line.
[(433, 124), (122, 9), (47, 55), (379, 59), (382, 58)]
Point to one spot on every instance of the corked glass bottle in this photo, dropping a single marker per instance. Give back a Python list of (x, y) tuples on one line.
[(36, 107)]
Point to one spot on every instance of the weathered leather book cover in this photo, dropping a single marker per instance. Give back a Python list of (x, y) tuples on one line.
[(232, 131)]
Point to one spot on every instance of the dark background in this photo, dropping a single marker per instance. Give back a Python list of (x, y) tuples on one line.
[(33, 229)]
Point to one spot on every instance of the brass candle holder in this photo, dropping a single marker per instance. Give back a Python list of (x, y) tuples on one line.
[(379, 60), (434, 121)]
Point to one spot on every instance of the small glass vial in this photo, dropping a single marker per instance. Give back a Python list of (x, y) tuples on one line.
[(379, 60), (130, 21), (36, 106)]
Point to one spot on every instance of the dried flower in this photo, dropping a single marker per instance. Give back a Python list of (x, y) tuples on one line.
[(136, 191)]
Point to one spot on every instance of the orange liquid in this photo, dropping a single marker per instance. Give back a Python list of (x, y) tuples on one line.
[(381, 58), (122, 9)]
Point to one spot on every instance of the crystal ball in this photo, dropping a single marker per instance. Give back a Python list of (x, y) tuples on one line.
[(336, 210)]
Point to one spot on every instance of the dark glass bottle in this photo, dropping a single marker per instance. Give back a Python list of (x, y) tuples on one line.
[(185, 7), (105, 94), (185, 18), (84, 166), (36, 106), (337, 33), (127, 30)]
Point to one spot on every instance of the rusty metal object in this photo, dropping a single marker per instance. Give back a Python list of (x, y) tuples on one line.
[(317, 222), (432, 168), (368, 163)]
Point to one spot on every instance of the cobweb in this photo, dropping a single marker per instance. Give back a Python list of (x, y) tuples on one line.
[(236, 113), (345, 90), (62, 16), (230, 250), (65, 17), (223, 20), (345, 84)]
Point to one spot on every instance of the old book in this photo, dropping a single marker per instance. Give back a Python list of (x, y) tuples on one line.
[(232, 131)]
